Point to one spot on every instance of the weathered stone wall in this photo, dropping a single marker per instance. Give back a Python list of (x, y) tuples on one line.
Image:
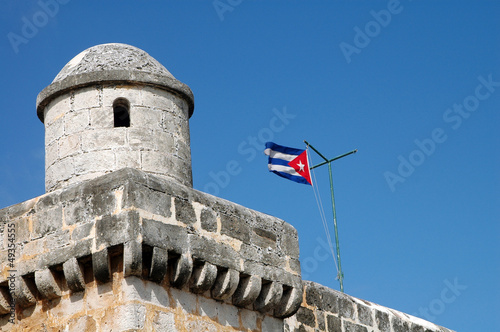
[(128, 225), (131, 251), (82, 143), (325, 309), (134, 304)]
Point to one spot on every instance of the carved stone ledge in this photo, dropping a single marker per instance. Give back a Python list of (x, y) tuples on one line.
[(164, 232)]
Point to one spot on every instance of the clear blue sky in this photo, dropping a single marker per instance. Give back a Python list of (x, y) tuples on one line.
[(418, 222)]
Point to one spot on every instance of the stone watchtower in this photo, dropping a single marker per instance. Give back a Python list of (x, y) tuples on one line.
[(122, 242), (114, 106)]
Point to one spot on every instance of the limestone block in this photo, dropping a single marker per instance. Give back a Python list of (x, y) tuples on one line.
[(271, 324), (348, 326), (249, 319), (101, 266), (294, 265), (382, 320), (247, 291), (95, 161), (130, 92), (51, 153), (165, 142), (158, 234), (208, 307), (269, 297), (22, 227), (171, 123), (398, 324), (346, 307), (47, 284), (203, 277), (75, 122), (320, 319), (184, 211), (182, 150), (184, 131), (24, 292), (47, 220), (306, 316), (102, 117), (364, 315), (334, 323), (205, 248), (69, 145), (159, 264), (145, 198), (86, 97), (321, 297), (59, 238), (180, 104), (76, 214), (111, 230), (208, 220), (184, 300), (101, 139), (164, 321), (136, 289), (183, 267), (74, 275), (132, 258), (141, 139), (129, 317), (225, 284), (145, 117), (158, 162), (62, 169), (234, 227), (57, 108), (127, 158), (263, 238), (85, 323), (228, 315), (156, 98), (183, 173), (99, 201), (290, 241), (54, 130)]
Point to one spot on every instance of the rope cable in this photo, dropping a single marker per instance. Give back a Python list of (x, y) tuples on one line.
[(319, 203)]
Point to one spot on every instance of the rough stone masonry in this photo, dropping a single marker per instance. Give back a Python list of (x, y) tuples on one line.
[(122, 242)]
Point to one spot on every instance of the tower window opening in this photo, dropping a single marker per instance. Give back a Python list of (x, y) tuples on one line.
[(121, 112)]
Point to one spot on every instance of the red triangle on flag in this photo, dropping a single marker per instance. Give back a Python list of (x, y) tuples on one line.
[(301, 166)]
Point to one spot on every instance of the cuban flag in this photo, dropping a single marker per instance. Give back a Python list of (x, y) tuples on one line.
[(289, 163)]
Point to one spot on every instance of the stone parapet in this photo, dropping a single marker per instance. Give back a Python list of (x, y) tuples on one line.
[(164, 232), (327, 310)]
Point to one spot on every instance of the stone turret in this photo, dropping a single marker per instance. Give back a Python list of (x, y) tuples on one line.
[(114, 106)]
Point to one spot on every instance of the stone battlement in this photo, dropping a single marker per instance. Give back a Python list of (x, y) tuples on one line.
[(164, 232)]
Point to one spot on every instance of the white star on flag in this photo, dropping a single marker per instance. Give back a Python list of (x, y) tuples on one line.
[(301, 165)]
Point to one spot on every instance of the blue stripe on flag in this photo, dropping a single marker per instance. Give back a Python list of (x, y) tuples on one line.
[(294, 178), (283, 149), (277, 161)]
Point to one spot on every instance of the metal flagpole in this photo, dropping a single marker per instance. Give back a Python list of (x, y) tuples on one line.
[(329, 162)]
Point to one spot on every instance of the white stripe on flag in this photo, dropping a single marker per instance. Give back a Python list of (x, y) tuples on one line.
[(279, 155), (284, 169)]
